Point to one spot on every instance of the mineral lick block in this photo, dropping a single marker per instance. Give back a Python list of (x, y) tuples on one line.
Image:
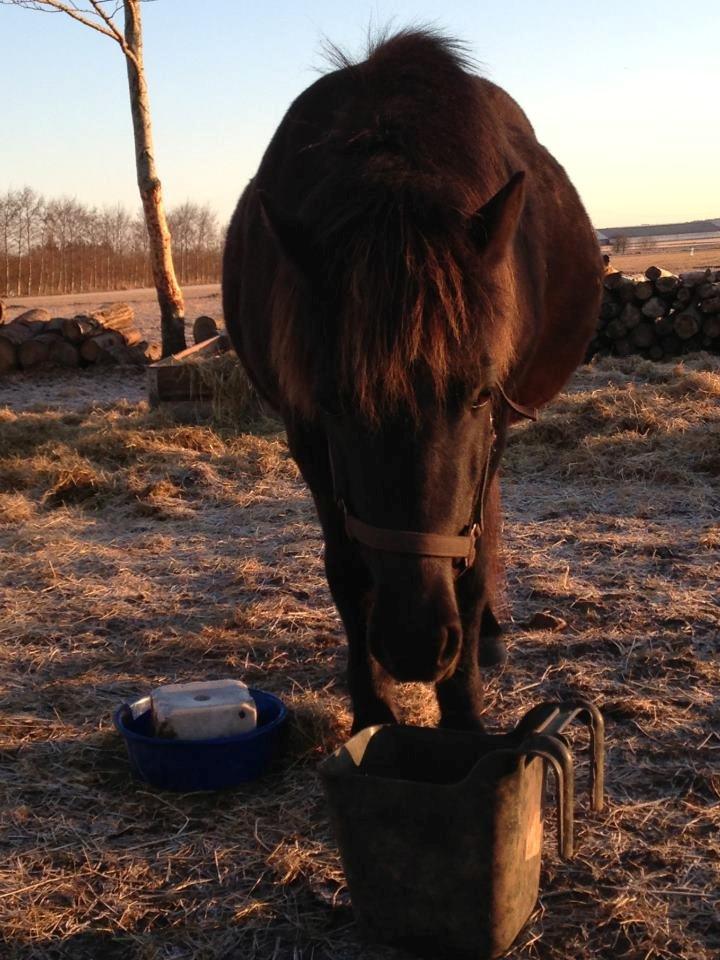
[(204, 709)]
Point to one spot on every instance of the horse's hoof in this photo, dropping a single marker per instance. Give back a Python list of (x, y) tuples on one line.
[(493, 652)]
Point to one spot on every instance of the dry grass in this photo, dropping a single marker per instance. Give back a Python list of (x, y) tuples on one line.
[(235, 403), (136, 551), (677, 261)]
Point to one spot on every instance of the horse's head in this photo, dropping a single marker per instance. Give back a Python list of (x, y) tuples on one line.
[(399, 349), (411, 488)]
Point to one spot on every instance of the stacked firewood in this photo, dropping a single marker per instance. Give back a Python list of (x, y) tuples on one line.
[(659, 316), (107, 335)]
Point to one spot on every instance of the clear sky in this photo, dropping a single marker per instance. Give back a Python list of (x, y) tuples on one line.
[(623, 93)]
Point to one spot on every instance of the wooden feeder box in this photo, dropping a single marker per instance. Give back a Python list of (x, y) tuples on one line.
[(173, 381)]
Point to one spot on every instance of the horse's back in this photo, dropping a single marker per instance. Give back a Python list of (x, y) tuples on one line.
[(555, 262)]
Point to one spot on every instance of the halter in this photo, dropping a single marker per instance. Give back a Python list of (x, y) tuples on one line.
[(462, 547)]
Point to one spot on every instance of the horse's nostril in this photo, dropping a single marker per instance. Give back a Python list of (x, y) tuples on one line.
[(449, 645)]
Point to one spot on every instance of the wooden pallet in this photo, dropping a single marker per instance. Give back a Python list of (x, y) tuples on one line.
[(172, 381)]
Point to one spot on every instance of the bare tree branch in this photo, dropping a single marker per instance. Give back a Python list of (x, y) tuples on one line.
[(96, 18), (57, 6), (108, 19)]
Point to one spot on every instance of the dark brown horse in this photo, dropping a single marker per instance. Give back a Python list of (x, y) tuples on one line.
[(409, 272)]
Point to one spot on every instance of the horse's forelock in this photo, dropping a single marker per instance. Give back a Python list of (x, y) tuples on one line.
[(396, 262), (401, 316)]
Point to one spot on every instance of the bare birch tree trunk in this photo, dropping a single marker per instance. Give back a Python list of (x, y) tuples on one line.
[(170, 297)]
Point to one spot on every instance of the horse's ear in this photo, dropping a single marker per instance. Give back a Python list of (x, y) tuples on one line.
[(292, 235), (493, 226)]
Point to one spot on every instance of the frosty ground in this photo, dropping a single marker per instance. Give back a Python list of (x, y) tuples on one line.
[(135, 551)]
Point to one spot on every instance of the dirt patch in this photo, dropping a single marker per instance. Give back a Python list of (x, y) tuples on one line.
[(136, 551)]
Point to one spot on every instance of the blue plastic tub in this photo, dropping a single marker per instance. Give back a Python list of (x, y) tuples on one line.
[(189, 765)]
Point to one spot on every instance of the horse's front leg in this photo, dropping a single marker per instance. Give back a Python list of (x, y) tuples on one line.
[(348, 578), (369, 685), (460, 697)]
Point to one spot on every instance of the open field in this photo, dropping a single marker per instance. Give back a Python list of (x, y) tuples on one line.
[(136, 551), (671, 258)]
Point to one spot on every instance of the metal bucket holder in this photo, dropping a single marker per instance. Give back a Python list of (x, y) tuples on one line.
[(559, 758), (440, 831), (553, 717)]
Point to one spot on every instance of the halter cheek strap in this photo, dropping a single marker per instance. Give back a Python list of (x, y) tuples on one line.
[(416, 543)]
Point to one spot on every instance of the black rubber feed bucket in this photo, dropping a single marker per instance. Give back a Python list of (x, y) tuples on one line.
[(440, 831)]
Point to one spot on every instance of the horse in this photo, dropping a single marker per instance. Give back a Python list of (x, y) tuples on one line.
[(409, 273)]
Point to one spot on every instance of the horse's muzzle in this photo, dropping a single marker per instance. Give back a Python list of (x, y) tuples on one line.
[(419, 655)]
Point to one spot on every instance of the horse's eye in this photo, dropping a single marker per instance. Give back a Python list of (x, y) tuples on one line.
[(481, 400)]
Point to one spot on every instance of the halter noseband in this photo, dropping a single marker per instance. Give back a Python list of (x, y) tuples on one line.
[(462, 547)]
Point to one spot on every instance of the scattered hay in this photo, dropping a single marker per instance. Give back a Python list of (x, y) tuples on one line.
[(235, 401), (15, 508), (665, 432), (75, 482), (196, 554)]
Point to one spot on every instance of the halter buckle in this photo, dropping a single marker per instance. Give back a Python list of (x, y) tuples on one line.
[(464, 563)]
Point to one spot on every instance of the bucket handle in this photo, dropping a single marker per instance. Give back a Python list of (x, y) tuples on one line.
[(555, 752), (551, 718)]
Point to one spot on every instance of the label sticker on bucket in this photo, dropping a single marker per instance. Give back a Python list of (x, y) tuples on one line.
[(533, 837)]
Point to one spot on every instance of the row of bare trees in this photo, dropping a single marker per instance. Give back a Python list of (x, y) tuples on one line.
[(62, 246)]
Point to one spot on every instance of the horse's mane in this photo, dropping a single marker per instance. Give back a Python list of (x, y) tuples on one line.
[(407, 158)]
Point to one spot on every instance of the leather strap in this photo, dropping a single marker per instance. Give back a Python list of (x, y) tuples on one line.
[(413, 542)]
